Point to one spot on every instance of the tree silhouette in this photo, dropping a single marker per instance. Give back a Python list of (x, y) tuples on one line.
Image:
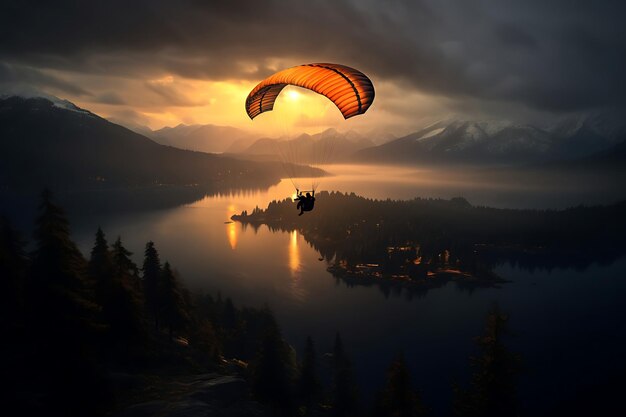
[(398, 399), (62, 317), (13, 268), (100, 268), (272, 372), (344, 393), (229, 315), (171, 301), (124, 267), (120, 302), (492, 391), (58, 285), (309, 387), (151, 277)]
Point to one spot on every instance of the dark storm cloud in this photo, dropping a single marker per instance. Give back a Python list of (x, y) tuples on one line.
[(12, 76), (110, 98), (558, 55), (170, 96)]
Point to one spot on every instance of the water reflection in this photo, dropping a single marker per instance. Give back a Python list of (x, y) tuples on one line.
[(294, 255), (231, 228), (295, 268), (268, 266)]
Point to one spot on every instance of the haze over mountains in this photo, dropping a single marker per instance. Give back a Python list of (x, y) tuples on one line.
[(497, 142), (204, 138), (45, 141), (227, 139), (473, 142), (48, 141)]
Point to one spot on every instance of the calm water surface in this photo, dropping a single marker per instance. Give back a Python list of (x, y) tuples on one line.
[(567, 324)]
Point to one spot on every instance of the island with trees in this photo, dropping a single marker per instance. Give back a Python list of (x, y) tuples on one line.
[(421, 244)]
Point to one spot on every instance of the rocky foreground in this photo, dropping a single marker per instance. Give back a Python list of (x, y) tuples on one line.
[(195, 396)]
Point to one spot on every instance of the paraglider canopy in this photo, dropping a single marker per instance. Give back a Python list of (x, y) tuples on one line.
[(349, 89)]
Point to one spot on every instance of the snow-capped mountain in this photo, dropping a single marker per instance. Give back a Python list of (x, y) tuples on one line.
[(581, 135), (45, 100), (45, 141), (500, 142)]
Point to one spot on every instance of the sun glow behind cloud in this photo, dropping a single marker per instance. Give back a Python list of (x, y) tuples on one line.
[(166, 99)]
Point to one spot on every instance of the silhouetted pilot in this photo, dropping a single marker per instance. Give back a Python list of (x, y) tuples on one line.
[(305, 202)]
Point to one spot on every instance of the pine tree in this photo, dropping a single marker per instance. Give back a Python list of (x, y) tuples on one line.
[(344, 393), (171, 301), (13, 267), (151, 277), (309, 386), (271, 373), (58, 284), (229, 315), (62, 317), (123, 302), (398, 399), (124, 267), (492, 392), (100, 268), (13, 270)]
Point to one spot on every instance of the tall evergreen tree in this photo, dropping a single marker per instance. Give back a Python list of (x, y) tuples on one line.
[(117, 292), (62, 316), (492, 391), (151, 277), (100, 268), (344, 393), (229, 315), (58, 285), (398, 399), (171, 301), (124, 267), (13, 267), (272, 372), (309, 387)]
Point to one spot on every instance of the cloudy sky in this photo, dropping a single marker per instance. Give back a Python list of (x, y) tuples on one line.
[(159, 63)]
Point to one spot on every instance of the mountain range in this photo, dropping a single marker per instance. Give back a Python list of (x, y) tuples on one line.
[(48, 141), (449, 141), (321, 148), (45, 141), (230, 140), (503, 143), (204, 138)]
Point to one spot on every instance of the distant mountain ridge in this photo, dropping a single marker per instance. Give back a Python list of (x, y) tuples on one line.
[(48, 141), (497, 142), (230, 140), (204, 138), (321, 148)]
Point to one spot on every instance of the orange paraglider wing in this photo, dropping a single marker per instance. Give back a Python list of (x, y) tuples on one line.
[(350, 90)]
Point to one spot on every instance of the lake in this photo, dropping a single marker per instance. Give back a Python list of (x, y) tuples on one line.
[(565, 323)]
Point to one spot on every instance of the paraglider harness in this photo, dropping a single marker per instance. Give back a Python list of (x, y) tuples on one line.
[(305, 202)]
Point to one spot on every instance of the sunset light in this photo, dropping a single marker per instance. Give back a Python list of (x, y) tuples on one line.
[(294, 254), (231, 228), (320, 208)]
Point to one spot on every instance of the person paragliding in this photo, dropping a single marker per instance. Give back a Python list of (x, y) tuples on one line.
[(306, 202), (349, 89)]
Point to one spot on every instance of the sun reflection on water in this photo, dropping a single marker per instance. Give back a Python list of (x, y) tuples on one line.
[(231, 228), (294, 254)]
